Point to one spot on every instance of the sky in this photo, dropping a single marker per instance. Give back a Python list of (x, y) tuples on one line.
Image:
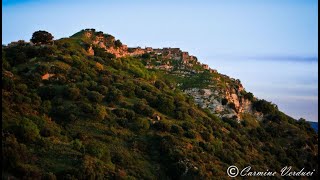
[(271, 45)]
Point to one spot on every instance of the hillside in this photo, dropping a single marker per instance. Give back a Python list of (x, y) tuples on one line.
[(89, 107)]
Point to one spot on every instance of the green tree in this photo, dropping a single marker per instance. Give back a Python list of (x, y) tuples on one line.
[(95, 96), (146, 56), (118, 43), (28, 130), (41, 37)]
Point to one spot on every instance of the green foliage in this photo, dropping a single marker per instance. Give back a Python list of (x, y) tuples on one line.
[(97, 118), (97, 149), (140, 124), (117, 43), (95, 96), (14, 153), (72, 93), (41, 37), (159, 84), (190, 134), (77, 144), (99, 112), (265, 107), (141, 107), (100, 52), (146, 56), (114, 95), (162, 126), (91, 168), (165, 104), (249, 96), (27, 130), (199, 80), (176, 129)]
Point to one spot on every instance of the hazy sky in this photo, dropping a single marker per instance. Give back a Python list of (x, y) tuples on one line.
[(271, 45)]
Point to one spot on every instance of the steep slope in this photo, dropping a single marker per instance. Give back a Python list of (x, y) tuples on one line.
[(222, 95), (88, 107)]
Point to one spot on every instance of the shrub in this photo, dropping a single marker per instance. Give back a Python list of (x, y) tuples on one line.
[(190, 134), (77, 144), (140, 123), (95, 96), (28, 130), (8, 83), (99, 66), (114, 95), (224, 101), (264, 106), (72, 93), (166, 104), (146, 56), (46, 106), (13, 152), (117, 43), (176, 129), (162, 126), (232, 106), (159, 84), (142, 108), (91, 168), (206, 136), (22, 88), (249, 96), (97, 149), (99, 112), (124, 113), (187, 126)]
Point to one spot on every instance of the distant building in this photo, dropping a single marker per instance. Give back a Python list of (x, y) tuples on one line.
[(148, 49), (213, 70), (205, 66), (185, 57), (47, 76)]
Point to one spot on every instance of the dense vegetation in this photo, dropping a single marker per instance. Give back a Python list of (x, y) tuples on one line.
[(99, 117)]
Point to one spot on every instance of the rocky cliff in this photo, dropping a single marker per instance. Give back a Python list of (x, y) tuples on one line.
[(226, 100)]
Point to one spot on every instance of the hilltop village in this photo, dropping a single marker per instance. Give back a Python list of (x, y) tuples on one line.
[(159, 58)]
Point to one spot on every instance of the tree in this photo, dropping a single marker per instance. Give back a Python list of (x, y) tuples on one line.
[(146, 56), (95, 96), (41, 37), (118, 43), (249, 96)]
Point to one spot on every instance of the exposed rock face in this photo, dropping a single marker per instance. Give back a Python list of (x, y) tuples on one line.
[(88, 34), (107, 42), (118, 52), (225, 102), (90, 51), (212, 99)]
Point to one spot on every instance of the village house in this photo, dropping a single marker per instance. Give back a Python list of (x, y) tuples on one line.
[(205, 66), (47, 76), (213, 70), (148, 49)]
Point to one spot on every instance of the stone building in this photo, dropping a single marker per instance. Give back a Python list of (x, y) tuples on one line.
[(205, 66)]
